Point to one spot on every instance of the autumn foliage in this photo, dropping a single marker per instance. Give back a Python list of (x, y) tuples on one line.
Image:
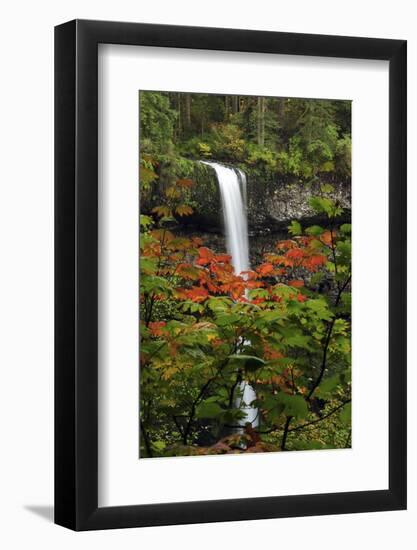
[(283, 327)]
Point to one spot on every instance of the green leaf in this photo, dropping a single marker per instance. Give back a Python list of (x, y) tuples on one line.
[(326, 187), (218, 304), (154, 284), (314, 230), (295, 338), (320, 308), (271, 316), (274, 407), (294, 405), (248, 362), (323, 205), (316, 278), (344, 248), (213, 399), (158, 445), (275, 411), (346, 228), (227, 320), (145, 239), (295, 228), (208, 409), (346, 414), (145, 221), (327, 387), (148, 265), (147, 176)]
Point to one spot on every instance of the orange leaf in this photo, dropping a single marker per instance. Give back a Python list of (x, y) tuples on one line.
[(254, 284), (205, 256), (197, 294), (162, 235), (185, 182), (327, 237), (271, 353), (294, 254), (264, 269), (173, 193), (314, 261), (156, 328), (249, 275), (184, 210), (162, 211), (296, 284), (285, 245), (222, 258), (188, 271)]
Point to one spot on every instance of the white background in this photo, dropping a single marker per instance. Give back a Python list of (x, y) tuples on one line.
[(26, 301), (123, 479)]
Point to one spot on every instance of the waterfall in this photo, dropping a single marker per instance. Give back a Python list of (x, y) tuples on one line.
[(232, 185), (243, 188)]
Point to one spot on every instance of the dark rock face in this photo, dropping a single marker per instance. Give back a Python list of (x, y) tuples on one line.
[(271, 204), (271, 208), (274, 205)]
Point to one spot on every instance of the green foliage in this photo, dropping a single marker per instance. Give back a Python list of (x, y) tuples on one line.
[(248, 362), (275, 137), (324, 205), (283, 327), (346, 413), (156, 122), (295, 228), (343, 155), (204, 330), (293, 405), (204, 149), (208, 409)]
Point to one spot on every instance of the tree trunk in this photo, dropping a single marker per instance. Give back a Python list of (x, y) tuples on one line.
[(188, 111), (261, 121), (179, 114), (226, 107), (280, 108)]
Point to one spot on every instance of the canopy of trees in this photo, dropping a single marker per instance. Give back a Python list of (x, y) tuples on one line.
[(273, 137)]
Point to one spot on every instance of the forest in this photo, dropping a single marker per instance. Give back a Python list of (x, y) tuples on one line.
[(272, 137), (281, 326)]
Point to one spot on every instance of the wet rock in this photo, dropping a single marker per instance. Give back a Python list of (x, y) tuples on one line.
[(274, 204)]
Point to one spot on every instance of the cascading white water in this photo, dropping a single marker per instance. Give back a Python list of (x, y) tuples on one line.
[(232, 185), (234, 214), (243, 188)]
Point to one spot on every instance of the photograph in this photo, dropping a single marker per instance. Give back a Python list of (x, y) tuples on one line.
[(245, 274), (209, 275)]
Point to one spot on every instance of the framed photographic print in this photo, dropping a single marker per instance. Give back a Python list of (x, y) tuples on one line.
[(230, 275)]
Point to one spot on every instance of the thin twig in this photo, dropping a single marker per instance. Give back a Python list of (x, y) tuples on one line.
[(302, 426), (193, 409), (146, 440), (327, 342), (285, 434)]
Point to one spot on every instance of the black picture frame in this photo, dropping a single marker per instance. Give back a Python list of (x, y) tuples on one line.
[(76, 271)]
